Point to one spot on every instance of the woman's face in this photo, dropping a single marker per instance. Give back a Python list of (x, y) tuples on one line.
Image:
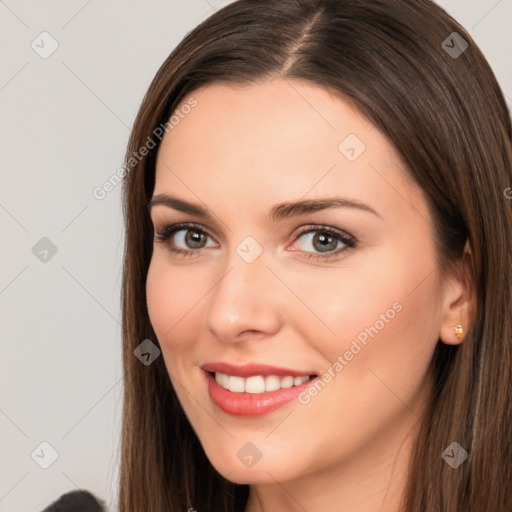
[(359, 306)]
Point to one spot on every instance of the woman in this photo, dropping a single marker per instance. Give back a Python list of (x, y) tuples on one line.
[(316, 282)]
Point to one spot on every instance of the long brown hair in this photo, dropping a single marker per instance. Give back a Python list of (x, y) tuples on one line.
[(441, 107)]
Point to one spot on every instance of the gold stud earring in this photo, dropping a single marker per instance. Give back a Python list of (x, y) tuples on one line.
[(458, 331)]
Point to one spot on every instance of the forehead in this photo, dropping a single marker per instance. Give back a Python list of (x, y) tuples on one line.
[(259, 119), (280, 139)]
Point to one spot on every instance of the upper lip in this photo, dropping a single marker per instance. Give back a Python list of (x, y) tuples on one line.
[(252, 369)]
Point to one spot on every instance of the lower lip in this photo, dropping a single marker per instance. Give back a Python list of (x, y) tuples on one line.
[(251, 404)]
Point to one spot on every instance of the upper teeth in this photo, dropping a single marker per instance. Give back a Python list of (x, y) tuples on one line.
[(258, 383)]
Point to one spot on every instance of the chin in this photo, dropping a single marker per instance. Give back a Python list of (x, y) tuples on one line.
[(252, 476), (233, 468)]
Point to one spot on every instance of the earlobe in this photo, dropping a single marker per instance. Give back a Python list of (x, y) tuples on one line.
[(458, 302)]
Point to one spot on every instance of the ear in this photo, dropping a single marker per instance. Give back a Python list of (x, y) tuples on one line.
[(458, 300)]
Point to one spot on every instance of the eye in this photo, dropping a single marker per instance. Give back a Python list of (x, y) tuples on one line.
[(190, 236), (325, 240)]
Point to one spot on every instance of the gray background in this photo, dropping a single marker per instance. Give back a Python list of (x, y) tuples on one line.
[(64, 126)]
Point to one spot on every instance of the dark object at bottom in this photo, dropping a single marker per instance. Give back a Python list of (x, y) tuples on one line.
[(77, 501)]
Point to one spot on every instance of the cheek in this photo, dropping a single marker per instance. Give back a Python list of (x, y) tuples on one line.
[(159, 298), (376, 292), (385, 324), (171, 294), (385, 314)]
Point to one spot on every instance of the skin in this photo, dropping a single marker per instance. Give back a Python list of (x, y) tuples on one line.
[(240, 151)]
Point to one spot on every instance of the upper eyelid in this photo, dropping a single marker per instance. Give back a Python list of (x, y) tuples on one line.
[(190, 224)]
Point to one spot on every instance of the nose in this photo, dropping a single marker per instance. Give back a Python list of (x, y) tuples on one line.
[(246, 302)]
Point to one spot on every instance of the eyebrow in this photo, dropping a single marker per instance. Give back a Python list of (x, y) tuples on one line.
[(277, 212)]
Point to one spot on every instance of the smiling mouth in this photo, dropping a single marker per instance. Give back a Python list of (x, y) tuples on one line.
[(258, 383), (254, 395)]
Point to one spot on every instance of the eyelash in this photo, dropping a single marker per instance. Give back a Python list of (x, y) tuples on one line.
[(164, 234)]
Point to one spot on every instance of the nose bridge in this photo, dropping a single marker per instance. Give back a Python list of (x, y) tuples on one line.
[(244, 297)]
